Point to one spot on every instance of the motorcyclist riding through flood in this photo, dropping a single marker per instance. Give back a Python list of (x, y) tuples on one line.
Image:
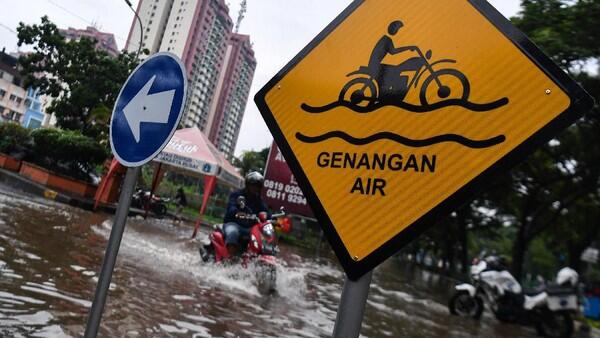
[(235, 225)]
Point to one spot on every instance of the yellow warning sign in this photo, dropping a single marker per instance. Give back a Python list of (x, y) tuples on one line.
[(400, 104)]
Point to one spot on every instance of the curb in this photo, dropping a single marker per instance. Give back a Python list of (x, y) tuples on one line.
[(19, 182)]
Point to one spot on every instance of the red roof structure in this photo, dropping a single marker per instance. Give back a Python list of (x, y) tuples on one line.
[(190, 150)]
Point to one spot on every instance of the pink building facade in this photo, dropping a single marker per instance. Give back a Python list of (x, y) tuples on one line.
[(233, 89), (104, 41)]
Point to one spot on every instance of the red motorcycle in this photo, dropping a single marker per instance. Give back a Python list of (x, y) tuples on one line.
[(260, 247)]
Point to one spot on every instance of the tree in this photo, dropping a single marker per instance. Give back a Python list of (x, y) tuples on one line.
[(554, 196), (83, 81), (252, 161), (556, 181)]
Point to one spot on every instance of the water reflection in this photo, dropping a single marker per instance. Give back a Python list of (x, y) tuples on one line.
[(50, 254)]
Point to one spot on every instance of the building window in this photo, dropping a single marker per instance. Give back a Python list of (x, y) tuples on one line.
[(34, 123), (14, 115), (2, 92)]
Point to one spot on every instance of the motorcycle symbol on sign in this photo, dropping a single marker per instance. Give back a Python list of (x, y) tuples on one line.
[(377, 84)]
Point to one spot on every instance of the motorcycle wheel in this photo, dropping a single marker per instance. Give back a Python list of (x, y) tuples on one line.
[(364, 97), (160, 210), (555, 324), (267, 279), (463, 305), (207, 253), (445, 92)]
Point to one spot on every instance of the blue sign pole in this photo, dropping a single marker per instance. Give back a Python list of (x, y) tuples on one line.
[(145, 116)]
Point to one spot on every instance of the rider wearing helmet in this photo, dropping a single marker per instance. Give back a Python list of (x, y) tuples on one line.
[(392, 82), (241, 203)]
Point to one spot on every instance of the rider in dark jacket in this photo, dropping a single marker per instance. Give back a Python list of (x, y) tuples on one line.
[(235, 225)]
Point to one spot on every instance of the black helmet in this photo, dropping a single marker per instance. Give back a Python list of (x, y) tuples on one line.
[(394, 27), (254, 178), (496, 263)]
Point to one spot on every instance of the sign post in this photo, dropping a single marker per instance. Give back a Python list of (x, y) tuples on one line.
[(112, 249), (398, 112), (352, 307), (145, 116)]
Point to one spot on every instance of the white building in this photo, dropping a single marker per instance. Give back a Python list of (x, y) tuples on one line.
[(12, 95), (198, 32)]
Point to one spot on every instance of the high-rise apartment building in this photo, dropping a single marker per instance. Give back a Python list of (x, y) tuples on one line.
[(104, 41), (227, 109), (198, 31)]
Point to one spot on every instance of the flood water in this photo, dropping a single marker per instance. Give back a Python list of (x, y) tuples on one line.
[(50, 255)]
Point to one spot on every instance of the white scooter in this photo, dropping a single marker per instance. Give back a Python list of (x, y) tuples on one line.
[(549, 310)]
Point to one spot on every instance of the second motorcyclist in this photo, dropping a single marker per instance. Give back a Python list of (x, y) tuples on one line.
[(236, 225)]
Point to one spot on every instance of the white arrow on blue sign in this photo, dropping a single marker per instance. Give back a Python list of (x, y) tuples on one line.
[(148, 109)]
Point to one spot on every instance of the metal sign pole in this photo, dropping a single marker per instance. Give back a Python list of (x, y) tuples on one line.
[(112, 250), (352, 307)]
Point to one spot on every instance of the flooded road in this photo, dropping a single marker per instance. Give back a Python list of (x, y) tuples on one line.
[(50, 255)]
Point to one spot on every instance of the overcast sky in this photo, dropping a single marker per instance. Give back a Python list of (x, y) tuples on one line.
[(279, 29)]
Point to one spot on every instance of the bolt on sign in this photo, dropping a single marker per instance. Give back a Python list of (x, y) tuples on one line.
[(399, 111)]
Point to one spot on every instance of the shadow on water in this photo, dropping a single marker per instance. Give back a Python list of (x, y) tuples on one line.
[(50, 254)]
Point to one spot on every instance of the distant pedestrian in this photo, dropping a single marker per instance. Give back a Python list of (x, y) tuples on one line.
[(181, 202)]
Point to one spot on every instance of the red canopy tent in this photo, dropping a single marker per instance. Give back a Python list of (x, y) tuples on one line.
[(191, 152)]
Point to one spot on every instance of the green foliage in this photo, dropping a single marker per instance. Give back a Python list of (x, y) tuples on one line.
[(545, 211), (555, 193), (14, 139), (566, 30), (83, 81), (252, 161), (66, 152)]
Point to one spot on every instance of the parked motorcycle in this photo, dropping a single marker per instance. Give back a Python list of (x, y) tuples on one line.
[(260, 247), (549, 309), (158, 205)]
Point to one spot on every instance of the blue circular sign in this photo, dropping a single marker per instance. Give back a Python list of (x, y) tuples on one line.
[(148, 109)]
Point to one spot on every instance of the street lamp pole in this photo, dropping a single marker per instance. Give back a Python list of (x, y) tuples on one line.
[(137, 55)]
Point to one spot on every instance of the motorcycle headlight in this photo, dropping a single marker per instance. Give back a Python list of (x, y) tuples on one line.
[(268, 230), (254, 241)]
